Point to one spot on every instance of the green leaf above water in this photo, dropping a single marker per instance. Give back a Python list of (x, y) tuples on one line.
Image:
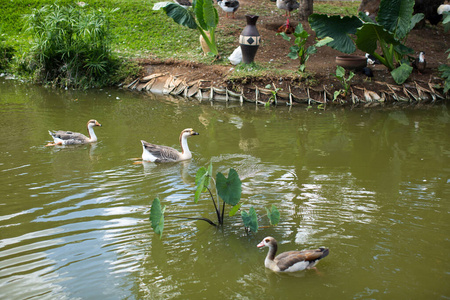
[(250, 219), (229, 189), (202, 179), (157, 217), (273, 214)]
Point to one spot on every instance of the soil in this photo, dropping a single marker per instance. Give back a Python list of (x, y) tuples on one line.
[(273, 51)]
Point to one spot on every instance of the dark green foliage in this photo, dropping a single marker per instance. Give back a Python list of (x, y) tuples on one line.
[(71, 46), (6, 52), (445, 69), (395, 21)]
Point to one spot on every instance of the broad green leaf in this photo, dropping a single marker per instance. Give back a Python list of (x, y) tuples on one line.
[(401, 73), (250, 219), (340, 72), (446, 21), (234, 210), (337, 27), (416, 19), (210, 15), (157, 217), (284, 36), (311, 50), (200, 176), (229, 189), (180, 15), (198, 11), (299, 29), (395, 16), (273, 214), (403, 50), (370, 34), (324, 42)]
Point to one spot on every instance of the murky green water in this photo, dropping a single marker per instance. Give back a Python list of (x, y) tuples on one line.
[(372, 185)]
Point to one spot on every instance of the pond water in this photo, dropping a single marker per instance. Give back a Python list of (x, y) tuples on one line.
[(371, 185)]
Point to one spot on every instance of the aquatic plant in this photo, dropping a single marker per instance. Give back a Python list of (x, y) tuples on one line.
[(228, 189), (345, 81), (394, 22), (299, 50), (71, 45), (202, 16)]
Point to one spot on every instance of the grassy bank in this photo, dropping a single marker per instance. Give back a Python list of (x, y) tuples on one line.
[(137, 30)]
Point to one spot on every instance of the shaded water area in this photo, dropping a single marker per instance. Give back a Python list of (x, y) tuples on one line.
[(371, 185)]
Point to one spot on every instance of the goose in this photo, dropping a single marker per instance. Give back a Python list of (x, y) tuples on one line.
[(288, 6), (291, 261), (62, 137), (157, 153), (229, 6)]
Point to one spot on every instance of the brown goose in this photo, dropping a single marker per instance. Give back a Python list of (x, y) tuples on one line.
[(157, 153), (291, 261), (62, 137)]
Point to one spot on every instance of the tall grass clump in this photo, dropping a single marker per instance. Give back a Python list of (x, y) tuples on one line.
[(71, 46), (6, 52)]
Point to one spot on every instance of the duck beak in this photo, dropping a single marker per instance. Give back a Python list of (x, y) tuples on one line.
[(98, 124), (260, 244), (195, 133)]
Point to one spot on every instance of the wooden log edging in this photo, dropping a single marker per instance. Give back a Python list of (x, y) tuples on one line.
[(164, 83)]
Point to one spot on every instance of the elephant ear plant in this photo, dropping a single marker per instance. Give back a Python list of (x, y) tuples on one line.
[(228, 189), (394, 22), (202, 16)]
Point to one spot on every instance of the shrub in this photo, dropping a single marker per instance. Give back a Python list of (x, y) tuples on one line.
[(71, 46)]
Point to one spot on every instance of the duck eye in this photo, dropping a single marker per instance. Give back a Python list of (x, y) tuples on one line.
[(266, 240)]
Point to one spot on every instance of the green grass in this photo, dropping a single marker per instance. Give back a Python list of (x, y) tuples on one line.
[(346, 8), (138, 31)]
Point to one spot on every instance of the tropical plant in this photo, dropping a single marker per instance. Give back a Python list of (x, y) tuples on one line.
[(394, 22), (340, 75), (227, 189), (299, 50), (6, 52), (202, 16), (71, 45)]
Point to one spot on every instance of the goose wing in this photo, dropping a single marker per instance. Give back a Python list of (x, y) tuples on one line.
[(288, 259), (68, 136), (162, 153)]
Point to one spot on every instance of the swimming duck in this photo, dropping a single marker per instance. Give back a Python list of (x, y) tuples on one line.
[(157, 153), (420, 63), (229, 6), (62, 137), (288, 6), (291, 261)]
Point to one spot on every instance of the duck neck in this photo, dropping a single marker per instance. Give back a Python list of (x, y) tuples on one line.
[(185, 152), (92, 136), (272, 252)]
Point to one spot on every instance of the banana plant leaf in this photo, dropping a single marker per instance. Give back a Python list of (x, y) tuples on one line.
[(229, 189), (337, 27), (395, 16), (157, 217), (178, 13), (250, 219)]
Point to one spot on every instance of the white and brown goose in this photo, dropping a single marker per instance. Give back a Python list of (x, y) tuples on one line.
[(291, 261), (157, 153), (62, 137)]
